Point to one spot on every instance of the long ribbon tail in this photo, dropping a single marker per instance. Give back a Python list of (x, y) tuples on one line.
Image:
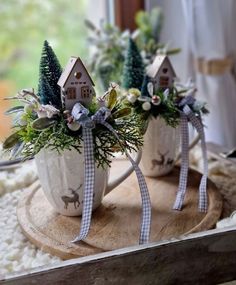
[(89, 172), (184, 164), (197, 123), (146, 202)]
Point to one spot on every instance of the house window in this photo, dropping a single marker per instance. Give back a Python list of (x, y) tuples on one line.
[(164, 81), (165, 70), (71, 93), (85, 92)]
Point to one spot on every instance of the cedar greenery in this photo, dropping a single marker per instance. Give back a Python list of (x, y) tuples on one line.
[(167, 109), (58, 137), (37, 133)]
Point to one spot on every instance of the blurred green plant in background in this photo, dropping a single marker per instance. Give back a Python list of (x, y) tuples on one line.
[(108, 54), (110, 45), (147, 35), (25, 24)]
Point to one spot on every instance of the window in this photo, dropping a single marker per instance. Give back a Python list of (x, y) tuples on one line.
[(164, 81), (85, 92), (59, 23), (164, 70), (71, 93), (125, 13)]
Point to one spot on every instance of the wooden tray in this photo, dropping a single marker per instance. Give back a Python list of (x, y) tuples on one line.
[(116, 223)]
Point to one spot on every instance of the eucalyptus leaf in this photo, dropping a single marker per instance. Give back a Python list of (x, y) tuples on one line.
[(112, 98), (122, 113), (42, 123), (17, 149), (13, 110), (11, 141)]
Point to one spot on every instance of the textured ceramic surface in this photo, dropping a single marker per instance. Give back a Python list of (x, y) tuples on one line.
[(62, 180), (161, 144)]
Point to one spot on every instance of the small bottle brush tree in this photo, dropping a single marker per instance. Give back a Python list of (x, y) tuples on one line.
[(49, 73), (46, 94), (133, 67)]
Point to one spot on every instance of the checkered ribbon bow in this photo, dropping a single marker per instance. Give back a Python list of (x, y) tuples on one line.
[(81, 115), (188, 115)]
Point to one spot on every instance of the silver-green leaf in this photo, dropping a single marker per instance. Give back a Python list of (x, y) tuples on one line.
[(15, 109), (43, 123), (12, 140), (122, 113)]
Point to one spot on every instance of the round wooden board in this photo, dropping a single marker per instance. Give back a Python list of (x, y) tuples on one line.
[(116, 223), (48, 230)]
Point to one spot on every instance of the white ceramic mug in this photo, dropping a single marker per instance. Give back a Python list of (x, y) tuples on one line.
[(62, 180), (160, 148)]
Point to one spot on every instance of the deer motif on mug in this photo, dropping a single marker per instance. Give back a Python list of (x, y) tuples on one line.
[(72, 199), (162, 161)]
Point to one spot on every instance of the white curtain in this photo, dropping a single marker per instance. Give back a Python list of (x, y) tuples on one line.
[(211, 32)]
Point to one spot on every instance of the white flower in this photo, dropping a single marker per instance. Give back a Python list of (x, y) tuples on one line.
[(31, 106), (47, 111), (41, 114), (132, 98), (146, 106), (198, 105)]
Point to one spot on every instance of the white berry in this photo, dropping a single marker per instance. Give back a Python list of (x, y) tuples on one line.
[(74, 126), (146, 106)]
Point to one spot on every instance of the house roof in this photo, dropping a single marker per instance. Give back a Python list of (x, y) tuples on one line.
[(68, 69), (157, 64)]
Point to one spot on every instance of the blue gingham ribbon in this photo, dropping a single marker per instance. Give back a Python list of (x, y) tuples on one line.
[(80, 114), (188, 115)]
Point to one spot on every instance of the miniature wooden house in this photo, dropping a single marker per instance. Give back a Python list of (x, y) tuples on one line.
[(76, 84), (161, 73)]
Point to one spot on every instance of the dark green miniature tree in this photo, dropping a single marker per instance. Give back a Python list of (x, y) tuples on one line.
[(144, 90), (47, 96), (133, 67), (50, 70)]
